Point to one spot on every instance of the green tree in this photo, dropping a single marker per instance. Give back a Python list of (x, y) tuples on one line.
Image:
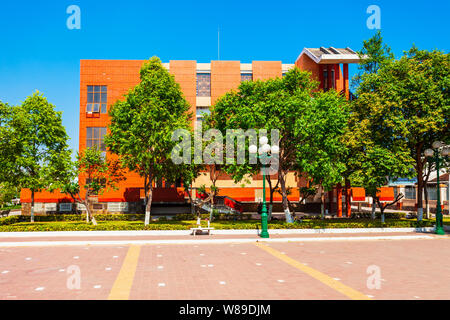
[(142, 125), (321, 128), (9, 145), (41, 142), (374, 54), (7, 193), (99, 173), (292, 106), (407, 103)]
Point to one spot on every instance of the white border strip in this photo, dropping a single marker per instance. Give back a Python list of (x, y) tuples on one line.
[(128, 233), (206, 241)]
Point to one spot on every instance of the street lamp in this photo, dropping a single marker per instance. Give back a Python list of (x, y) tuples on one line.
[(263, 151), (439, 149)]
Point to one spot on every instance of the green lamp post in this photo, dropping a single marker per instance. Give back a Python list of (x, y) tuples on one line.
[(264, 151), (439, 149)]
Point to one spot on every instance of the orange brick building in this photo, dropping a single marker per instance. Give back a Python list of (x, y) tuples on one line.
[(103, 82)]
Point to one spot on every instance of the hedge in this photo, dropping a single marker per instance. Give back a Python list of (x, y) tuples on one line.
[(12, 224), (115, 217)]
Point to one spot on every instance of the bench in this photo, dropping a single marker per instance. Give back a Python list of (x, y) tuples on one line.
[(201, 229)]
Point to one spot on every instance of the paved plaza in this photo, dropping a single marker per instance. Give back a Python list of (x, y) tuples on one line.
[(411, 266)]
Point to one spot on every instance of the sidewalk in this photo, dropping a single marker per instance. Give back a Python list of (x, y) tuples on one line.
[(126, 238)]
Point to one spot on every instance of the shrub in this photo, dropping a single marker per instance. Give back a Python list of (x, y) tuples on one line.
[(387, 215), (9, 220)]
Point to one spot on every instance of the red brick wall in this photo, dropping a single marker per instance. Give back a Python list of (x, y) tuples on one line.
[(263, 70), (185, 73), (225, 76), (307, 64)]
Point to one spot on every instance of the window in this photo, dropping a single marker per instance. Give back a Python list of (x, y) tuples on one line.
[(332, 79), (246, 77), (432, 193), (325, 80), (203, 85), (200, 112), (97, 97), (410, 192), (95, 136)]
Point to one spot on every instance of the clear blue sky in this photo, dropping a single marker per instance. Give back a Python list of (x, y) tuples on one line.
[(39, 52)]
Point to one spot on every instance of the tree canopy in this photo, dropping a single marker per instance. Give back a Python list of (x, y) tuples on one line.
[(309, 124), (142, 125), (40, 143)]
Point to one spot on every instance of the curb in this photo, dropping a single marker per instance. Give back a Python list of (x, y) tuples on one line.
[(206, 241), (128, 233)]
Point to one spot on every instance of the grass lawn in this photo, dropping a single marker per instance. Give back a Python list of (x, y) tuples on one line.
[(186, 224)]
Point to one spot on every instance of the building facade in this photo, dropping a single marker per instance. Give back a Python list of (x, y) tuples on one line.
[(103, 82)]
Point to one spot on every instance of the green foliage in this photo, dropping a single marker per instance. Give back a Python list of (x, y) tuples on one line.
[(13, 224), (142, 125), (320, 129), (310, 125), (374, 54), (98, 174), (7, 193), (9, 145), (399, 112), (41, 142)]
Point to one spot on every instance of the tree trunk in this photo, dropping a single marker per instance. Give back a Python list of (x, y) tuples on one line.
[(212, 207), (339, 200), (32, 206), (284, 197), (427, 206), (374, 207), (348, 203), (322, 202), (382, 207), (419, 169), (89, 213), (272, 190), (148, 203)]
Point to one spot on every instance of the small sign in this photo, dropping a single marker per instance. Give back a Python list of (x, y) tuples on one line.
[(65, 207), (118, 206), (50, 207)]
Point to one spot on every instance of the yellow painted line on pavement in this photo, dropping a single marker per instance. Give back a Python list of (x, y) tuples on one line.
[(334, 284), (122, 286)]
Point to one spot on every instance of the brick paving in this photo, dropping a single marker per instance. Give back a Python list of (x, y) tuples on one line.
[(5, 238), (410, 269)]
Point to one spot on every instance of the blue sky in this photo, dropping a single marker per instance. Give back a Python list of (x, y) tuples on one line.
[(38, 51)]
